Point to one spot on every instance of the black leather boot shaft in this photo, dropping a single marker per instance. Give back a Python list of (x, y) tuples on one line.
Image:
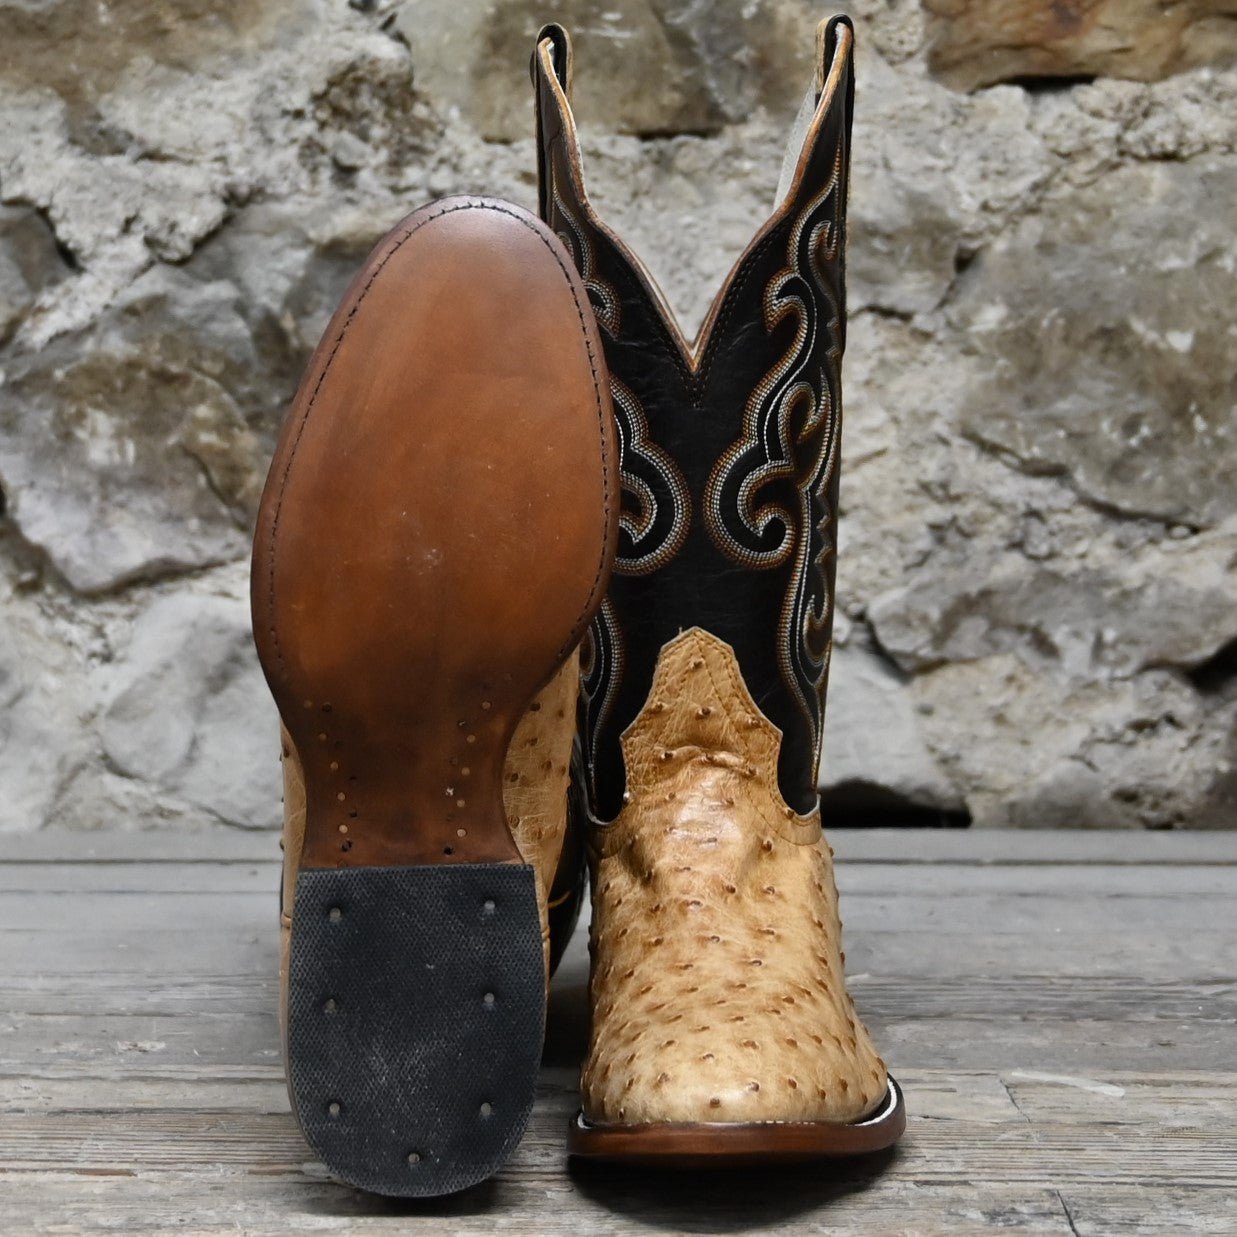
[(730, 450)]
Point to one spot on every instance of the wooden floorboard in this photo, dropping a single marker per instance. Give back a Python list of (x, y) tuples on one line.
[(1061, 1009)]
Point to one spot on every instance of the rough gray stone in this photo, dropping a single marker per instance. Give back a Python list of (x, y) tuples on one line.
[(1039, 539), (641, 66), (43, 696), (875, 734), (125, 450), (978, 43), (29, 263), (1103, 322), (184, 706), (1036, 750), (1171, 603)]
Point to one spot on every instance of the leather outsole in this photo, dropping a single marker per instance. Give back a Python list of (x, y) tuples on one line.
[(725, 1145), (436, 533)]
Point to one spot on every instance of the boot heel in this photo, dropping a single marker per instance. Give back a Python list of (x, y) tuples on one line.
[(416, 1000)]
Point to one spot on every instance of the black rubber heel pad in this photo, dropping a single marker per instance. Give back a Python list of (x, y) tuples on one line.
[(416, 1013)]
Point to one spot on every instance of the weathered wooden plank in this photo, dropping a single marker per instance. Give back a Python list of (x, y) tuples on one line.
[(172, 950), (855, 877), (1070, 937), (1101, 1209), (993, 998), (586, 1203), (947, 1152), (898, 846), (943, 1152), (104, 846), (1063, 1031), (931, 950), (1076, 1046), (145, 1045), (198, 1089), (1191, 1098), (600, 1203), (1047, 915), (1028, 882), (203, 880), (1197, 1100), (1035, 847)]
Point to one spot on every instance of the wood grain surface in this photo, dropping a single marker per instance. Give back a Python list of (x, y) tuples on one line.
[(1059, 1008)]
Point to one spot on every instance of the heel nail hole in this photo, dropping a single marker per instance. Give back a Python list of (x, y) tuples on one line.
[(414, 1158), (333, 1109), (487, 1109), (448, 850), (330, 1005), (488, 998), (334, 914)]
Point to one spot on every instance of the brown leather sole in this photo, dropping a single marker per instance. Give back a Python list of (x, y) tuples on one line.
[(705, 1145), (436, 533)]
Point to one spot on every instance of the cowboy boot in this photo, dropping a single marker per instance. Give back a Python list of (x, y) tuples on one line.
[(435, 534), (722, 1028)]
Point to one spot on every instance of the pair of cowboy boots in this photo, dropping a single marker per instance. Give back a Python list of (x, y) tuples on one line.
[(535, 578)]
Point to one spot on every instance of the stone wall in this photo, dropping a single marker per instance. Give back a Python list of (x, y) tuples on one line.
[(1037, 574)]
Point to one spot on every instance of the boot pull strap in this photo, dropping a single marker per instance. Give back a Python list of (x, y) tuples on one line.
[(827, 34), (551, 95), (833, 73), (560, 56)]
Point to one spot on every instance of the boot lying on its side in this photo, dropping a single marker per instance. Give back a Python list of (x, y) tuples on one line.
[(722, 1028)]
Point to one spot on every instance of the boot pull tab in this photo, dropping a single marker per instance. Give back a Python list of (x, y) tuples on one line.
[(828, 34), (805, 130), (550, 116), (560, 55)]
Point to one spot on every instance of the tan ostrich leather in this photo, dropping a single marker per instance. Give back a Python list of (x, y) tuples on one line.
[(535, 778), (718, 989)]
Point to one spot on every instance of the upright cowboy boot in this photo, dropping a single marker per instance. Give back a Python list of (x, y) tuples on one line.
[(435, 535), (722, 1028)]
